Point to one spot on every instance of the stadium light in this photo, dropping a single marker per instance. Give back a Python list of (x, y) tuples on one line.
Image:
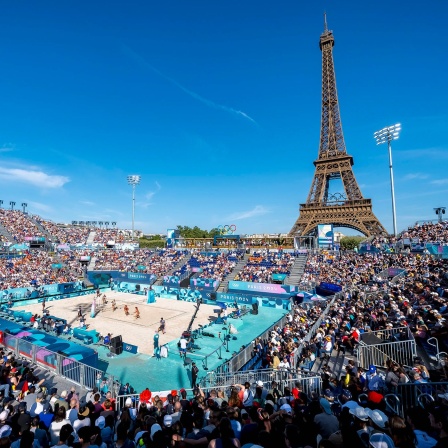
[(439, 212), (133, 180), (386, 135), (12, 204), (24, 205)]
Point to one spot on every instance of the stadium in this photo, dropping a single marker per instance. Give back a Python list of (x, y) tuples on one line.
[(113, 338)]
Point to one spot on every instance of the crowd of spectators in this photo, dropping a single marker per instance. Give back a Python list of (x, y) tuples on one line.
[(273, 416), (18, 225), (216, 266), (64, 234), (122, 260), (261, 265), (34, 269), (140, 260), (428, 233), (270, 414), (104, 236)]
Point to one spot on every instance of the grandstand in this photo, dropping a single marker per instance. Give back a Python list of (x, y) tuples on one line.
[(385, 310)]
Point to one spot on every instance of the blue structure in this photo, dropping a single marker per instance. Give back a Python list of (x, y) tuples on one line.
[(50, 345)]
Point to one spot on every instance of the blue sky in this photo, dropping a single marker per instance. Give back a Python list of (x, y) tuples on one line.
[(217, 106)]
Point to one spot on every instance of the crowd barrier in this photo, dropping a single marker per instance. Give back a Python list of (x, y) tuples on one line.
[(77, 372), (397, 344), (47, 291), (214, 379), (309, 385), (419, 394), (313, 330), (246, 354)]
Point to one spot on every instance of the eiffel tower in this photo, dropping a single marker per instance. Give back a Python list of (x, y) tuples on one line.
[(348, 209)]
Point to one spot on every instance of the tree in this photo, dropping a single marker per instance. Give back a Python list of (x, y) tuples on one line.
[(196, 232), (350, 242)]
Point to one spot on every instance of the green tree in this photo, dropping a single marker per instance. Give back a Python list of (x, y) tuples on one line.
[(196, 232), (350, 242)]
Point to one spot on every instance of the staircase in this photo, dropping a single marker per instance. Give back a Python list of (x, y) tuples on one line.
[(42, 230), (91, 237), (6, 234), (182, 262), (240, 265), (91, 265), (297, 270)]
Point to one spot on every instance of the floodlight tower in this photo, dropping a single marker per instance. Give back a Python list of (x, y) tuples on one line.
[(386, 135), (439, 212), (133, 180)]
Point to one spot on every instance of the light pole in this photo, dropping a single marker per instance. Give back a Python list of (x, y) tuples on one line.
[(24, 205), (12, 204), (439, 212), (386, 135), (134, 180)]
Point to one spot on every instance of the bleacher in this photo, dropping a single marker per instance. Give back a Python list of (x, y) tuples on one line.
[(261, 266)]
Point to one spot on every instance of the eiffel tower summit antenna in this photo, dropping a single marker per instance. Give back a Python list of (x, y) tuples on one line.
[(347, 208)]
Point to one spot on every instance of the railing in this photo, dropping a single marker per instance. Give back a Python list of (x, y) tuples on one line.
[(310, 385), (245, 355), (398, 277), (21, 297), (414, 394), (66, 367), (313, 330), (389, 335), (401, 352), (214, 379)]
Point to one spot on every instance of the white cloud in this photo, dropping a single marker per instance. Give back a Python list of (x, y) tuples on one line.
[(412, 176), (427, 153), (39, 206), (33, 177), (194, 95), (151, 194), (440, 182), (143, 204), (258, 210), (89, 203)]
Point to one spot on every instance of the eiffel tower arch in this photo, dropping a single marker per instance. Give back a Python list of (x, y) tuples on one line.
[(348, 208)]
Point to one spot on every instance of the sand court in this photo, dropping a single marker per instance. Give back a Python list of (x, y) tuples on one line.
[(136, 331)]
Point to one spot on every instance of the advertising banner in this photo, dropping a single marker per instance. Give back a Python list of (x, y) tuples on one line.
[(249, 300), (263, 289), (278, 277), (176, 293), (325, 236), (189, 295), (99, 278), (171, 280), (200, 283), (240, 299), (170, 236), (129, 348)]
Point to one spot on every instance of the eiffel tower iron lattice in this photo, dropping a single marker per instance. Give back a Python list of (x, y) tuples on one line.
[(348, 209)]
